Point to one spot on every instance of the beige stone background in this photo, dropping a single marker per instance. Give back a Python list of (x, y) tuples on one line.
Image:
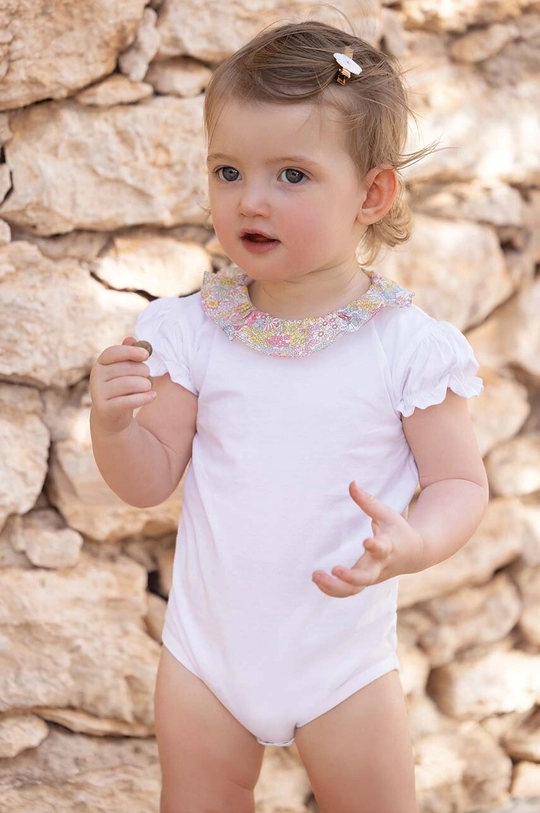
[(102, 194)]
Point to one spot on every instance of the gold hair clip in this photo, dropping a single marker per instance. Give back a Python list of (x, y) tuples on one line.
[(347, 66)]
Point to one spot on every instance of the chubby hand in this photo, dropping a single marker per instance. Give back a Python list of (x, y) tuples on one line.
[(392, 550)]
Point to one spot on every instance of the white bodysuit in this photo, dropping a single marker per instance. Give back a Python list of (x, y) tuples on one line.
[(289, 413)]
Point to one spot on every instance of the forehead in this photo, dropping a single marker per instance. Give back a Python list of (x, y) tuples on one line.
[(278, 128)]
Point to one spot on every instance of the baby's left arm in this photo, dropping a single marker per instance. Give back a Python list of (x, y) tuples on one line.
[(452, 502)]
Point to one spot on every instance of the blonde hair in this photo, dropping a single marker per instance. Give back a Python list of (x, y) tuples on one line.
[(294, 63)]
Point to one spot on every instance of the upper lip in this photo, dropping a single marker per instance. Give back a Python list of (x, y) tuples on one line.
[(244, 232)]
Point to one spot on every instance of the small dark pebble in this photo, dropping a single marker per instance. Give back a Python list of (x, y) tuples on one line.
[(147, 346)]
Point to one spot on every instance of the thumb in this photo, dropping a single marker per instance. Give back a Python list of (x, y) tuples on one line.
[(129, 340), (370, 505)]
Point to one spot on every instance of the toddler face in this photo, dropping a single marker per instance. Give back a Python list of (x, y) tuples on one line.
[(284, 191)]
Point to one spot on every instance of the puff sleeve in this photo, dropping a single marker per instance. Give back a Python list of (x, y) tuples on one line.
[(443, 359), (161, 324)]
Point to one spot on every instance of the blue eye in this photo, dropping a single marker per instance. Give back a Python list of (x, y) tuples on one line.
[(293, 176), (227, 174)]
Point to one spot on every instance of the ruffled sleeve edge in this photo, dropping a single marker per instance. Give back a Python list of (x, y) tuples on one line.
[(458, 371)]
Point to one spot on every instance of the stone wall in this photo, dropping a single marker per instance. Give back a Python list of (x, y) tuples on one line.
[(102, 207)]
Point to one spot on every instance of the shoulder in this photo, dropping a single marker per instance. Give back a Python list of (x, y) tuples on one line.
[(173, 312), (402, 329)]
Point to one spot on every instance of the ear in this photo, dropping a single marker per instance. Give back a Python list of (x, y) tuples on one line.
[(381, 189)]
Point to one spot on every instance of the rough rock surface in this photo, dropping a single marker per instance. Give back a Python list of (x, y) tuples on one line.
[(102, 208), (25, 445), (79, 167), (48, 52)]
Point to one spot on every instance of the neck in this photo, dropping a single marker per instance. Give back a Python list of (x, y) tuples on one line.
[(314, 294)]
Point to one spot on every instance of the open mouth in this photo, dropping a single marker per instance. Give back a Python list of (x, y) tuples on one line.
[(257, 242), (258, 237)]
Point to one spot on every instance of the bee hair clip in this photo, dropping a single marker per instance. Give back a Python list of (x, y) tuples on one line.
[(347, 66)]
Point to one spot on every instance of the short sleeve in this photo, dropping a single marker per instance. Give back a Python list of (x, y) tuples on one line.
[(160, 323), (443, 360)]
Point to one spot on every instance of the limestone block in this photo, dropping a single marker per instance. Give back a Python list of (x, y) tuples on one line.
[(80, 245), (491, 202), (77, 167), (25, 446), (501, 411), (153, 262), (500, 724), (5, 131), (77, 489), (84, 723), (49, 54), (146, 551), (523, 741), (528, 581), (526, 780), (445, 264), (5, 233), (414, 668), (462, 770), (111, 790), (283, 784), (212, 31), (469, 617), (116, 89), (484, 132), (459, 15), (179, 77), (46, 541), (531, 214), (519, 60), (482, 43), (497, 683), (511, 335), (84, 647), (134, 62), (69, 318), (513, 468), (165, 567), (498, 541), (155, 616), (393, 34), (9, 556), (63, 756), (425, 719), (531, 517), (19, 732), (5, 181)]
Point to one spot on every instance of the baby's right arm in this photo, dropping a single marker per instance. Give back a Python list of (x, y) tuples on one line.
[(142, 459)]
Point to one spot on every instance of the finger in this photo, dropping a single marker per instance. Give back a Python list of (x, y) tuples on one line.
[(126, 385), (359, 576), (125, 368), (332, 586), (130, 402), (370, 505), (122, 352), (129, 341), (378, 547)]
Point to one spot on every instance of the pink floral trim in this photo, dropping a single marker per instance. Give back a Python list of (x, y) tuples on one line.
[(225, 299)]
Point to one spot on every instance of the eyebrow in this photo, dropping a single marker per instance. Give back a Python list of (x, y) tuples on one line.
[(278, 159)]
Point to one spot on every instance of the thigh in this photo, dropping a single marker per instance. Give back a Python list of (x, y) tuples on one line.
[(358, 755), (210, 763)]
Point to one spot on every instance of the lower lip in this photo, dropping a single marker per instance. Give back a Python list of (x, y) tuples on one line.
[(259, 248)]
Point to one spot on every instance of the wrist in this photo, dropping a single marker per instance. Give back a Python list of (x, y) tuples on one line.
[(107, 429), (413, 554)]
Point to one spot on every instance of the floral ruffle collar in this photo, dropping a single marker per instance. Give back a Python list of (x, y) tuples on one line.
[(225, 300)]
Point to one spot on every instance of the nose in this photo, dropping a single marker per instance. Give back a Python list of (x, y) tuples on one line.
[(254, 200)]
